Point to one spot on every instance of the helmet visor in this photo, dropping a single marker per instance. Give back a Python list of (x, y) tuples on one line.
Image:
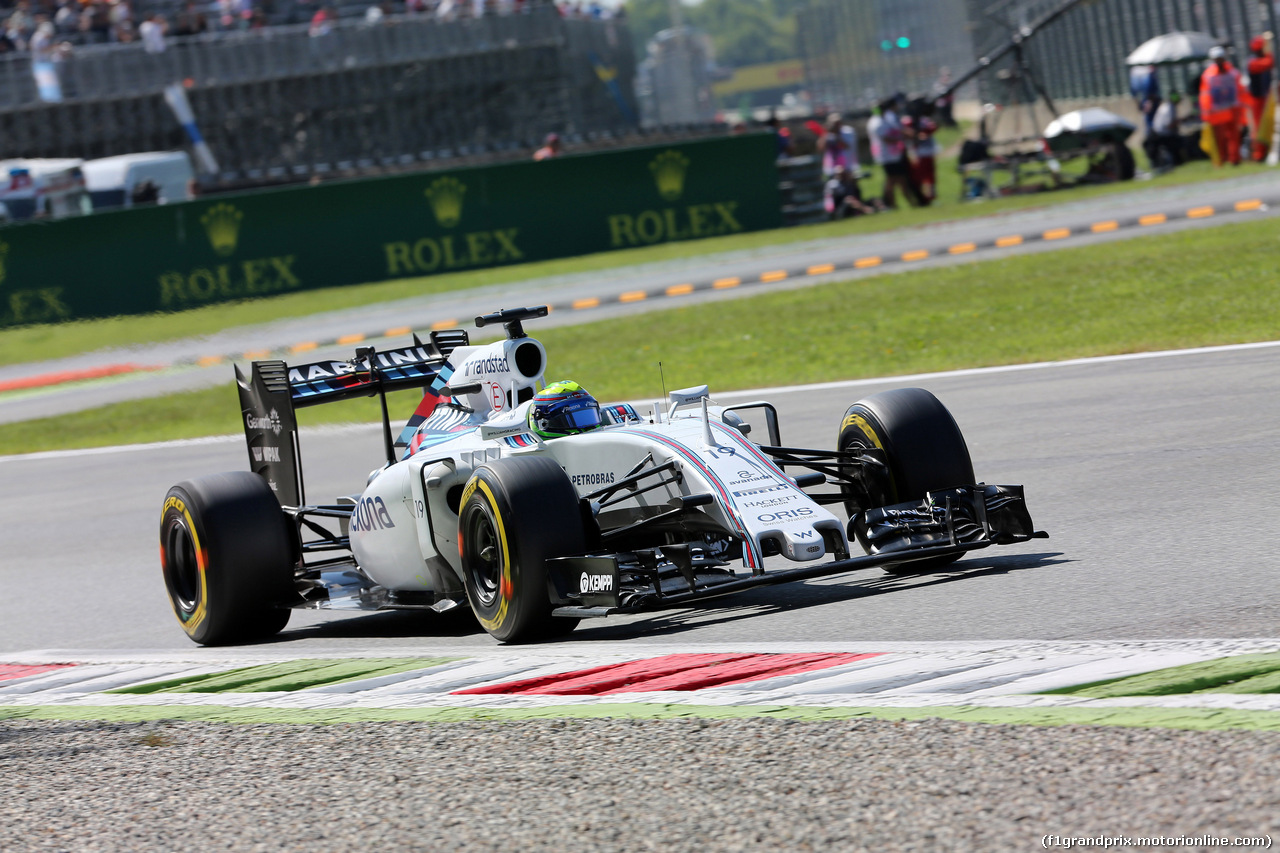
[(573, 416)]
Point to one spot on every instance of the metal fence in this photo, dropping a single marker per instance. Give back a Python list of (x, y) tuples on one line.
[(1082, 54), (859, 51), (276, 103)]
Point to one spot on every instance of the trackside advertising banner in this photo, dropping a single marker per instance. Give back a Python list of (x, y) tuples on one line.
[(247, 245)]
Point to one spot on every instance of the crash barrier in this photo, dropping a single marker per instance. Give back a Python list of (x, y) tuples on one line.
[(276, 106), (237, 246)]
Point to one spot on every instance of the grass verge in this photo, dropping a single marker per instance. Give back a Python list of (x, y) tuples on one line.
[(1194, 288), (1193, 719), (56, 341)]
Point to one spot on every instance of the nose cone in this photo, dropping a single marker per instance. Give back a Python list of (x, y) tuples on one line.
[(802, 545)]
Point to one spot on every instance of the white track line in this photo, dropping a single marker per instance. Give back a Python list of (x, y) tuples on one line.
[(756, 392)]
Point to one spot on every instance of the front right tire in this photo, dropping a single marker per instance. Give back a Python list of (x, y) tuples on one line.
[(923, 447)]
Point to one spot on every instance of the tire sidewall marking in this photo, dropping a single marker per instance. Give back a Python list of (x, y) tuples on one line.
[(190, 622), (856, 420), (495, 623)]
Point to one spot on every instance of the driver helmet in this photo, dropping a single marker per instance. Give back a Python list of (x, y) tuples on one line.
[(563, 408)]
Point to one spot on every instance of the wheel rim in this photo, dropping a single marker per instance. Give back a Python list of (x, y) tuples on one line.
[(483, 555), (181, 566)]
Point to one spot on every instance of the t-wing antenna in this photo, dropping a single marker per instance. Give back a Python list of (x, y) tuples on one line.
[(511, 319)]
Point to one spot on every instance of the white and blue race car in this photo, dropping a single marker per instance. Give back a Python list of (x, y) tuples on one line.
[(622, 511)]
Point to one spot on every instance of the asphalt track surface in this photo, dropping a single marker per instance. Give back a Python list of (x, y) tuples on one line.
[(1154, 475), (628, 290)]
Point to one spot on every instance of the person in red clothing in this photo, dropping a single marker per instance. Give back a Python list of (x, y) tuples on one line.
[(923, 150), (1222, 98), (1261, 66)]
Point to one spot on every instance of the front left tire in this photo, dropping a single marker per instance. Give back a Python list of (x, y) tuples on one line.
[(516, 514)]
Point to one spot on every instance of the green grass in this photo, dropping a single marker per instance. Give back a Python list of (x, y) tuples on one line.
[(56, 341), (1245, 674), (1194, 288)]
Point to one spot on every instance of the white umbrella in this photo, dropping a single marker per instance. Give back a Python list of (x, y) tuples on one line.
[(1172, 49)]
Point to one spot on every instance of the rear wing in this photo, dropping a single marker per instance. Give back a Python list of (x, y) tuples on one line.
[(273, 390)]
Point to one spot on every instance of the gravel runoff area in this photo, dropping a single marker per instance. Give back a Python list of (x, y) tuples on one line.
[(602, 785)]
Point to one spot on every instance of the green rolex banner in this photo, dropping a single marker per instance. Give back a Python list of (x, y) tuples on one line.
[(247, 245)]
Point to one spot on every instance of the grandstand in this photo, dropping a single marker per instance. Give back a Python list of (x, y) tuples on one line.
[(279, 103)]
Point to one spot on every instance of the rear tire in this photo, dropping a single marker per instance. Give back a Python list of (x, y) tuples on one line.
[(228, 557), (516, 514), (923, 446)]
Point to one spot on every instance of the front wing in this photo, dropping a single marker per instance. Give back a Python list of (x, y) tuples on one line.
[(947, 523)]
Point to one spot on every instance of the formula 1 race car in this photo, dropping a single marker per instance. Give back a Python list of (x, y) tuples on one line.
[(536, 507)]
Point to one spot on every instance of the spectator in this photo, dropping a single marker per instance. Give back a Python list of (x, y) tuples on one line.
[(550, 148), (842, 196), (152, 31), (1261, 67), (226, 14), (840, 147), (1144, 85), (1222, 98), (145, 192), (66, 19), (782, 134), (1164, 144), (889, 148), (95, 22), (21, 25), (190, 21), (922, 149), (41, 44), (322, 22), (121, 17)]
